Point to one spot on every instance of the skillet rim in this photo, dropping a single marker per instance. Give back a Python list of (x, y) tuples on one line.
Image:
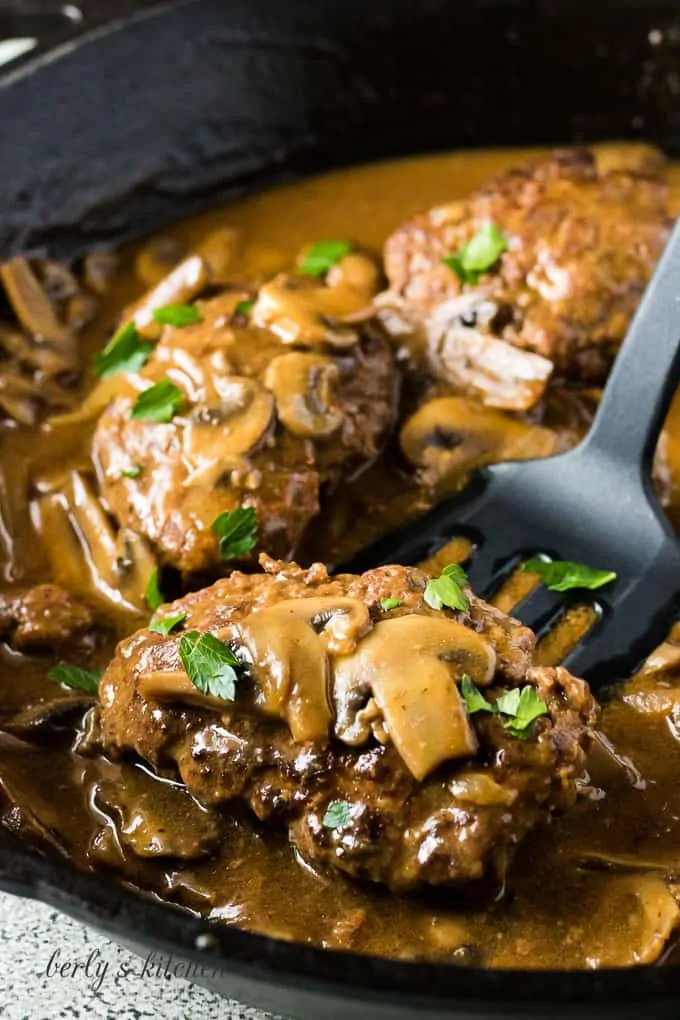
[(124, 914)]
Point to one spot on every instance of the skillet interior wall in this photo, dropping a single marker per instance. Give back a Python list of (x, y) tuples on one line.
[(176, 109)]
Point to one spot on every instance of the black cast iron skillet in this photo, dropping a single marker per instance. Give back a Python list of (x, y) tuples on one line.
[(132, 123)]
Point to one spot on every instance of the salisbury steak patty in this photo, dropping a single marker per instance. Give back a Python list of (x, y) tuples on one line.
[(581, 246), (348, 724), (280, 398)]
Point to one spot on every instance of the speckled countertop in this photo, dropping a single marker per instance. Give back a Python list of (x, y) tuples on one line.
[(101, 981)]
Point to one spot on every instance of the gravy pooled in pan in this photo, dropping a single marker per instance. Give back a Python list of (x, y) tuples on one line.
[(196, 431)]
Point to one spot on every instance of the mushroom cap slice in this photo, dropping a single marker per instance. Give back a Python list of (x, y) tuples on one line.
[(219, 435), (412, 666), (310, 314), (289, 646), (501, 374), (455, 434), (302, 384)]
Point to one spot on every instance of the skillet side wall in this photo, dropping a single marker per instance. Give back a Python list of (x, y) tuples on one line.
[(187, 105)]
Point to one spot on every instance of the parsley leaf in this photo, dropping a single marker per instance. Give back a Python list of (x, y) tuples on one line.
[(479, 254), (166, 624), (561, 575), (243, 307), (390, 603), (237, 531), (159, 403), (447, 590), (520, 707), (153, 595), (125, 352), (473, 697), (322, 256), (131, 472), (508, 703), (76, 677), (337, 815), (177, 315), (528, 707), (209, 664)]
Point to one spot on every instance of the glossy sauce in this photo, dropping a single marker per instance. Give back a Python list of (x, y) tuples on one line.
[(592, 890)]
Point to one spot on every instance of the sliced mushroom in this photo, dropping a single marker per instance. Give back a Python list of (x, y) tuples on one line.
[(308, 314), (120, 384), (288, 645), (99, 270), (172, 684), (216, 437), (219, 248), (183, 284), (303, 385), (500, 374), (157, 258), (411, 666), (49, 719), (449, 436), (32, 307), (86, 555), (58, 282), (355, 270)]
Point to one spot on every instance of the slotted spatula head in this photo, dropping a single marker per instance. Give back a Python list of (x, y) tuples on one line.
[(593, 505)]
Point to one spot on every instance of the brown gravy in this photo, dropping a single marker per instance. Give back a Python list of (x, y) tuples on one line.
[(593, 890)]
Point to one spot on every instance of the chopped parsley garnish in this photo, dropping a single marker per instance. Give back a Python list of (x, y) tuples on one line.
[(166, 624), (447, 589), (153, 594), (337, 815), (125, 352), (243, 307), (210, 664), (561, 575), (237, 531), (322, 256), (177, 315), (473, 697), (521, 708), (390, 603), (479, 254), (131, 472), (76, 677), (518, 707), (159, 403)]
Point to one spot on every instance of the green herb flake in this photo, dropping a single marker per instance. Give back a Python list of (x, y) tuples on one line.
[(167, 624), (160, 403), (177, 315), (473, 697), (153, 594), (131, 472), (76, 677), (390, 603), (337, 815), (562, 575), (322, 256), (447, 589), (527, 708), (480, 253), (243, 307), (210, 664), (125, 352), (237, 531)]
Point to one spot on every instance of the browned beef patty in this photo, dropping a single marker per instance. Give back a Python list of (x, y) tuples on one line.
[(446, 811), (582, 245)]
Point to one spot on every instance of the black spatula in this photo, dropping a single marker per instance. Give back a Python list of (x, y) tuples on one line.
[(593, 505)]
